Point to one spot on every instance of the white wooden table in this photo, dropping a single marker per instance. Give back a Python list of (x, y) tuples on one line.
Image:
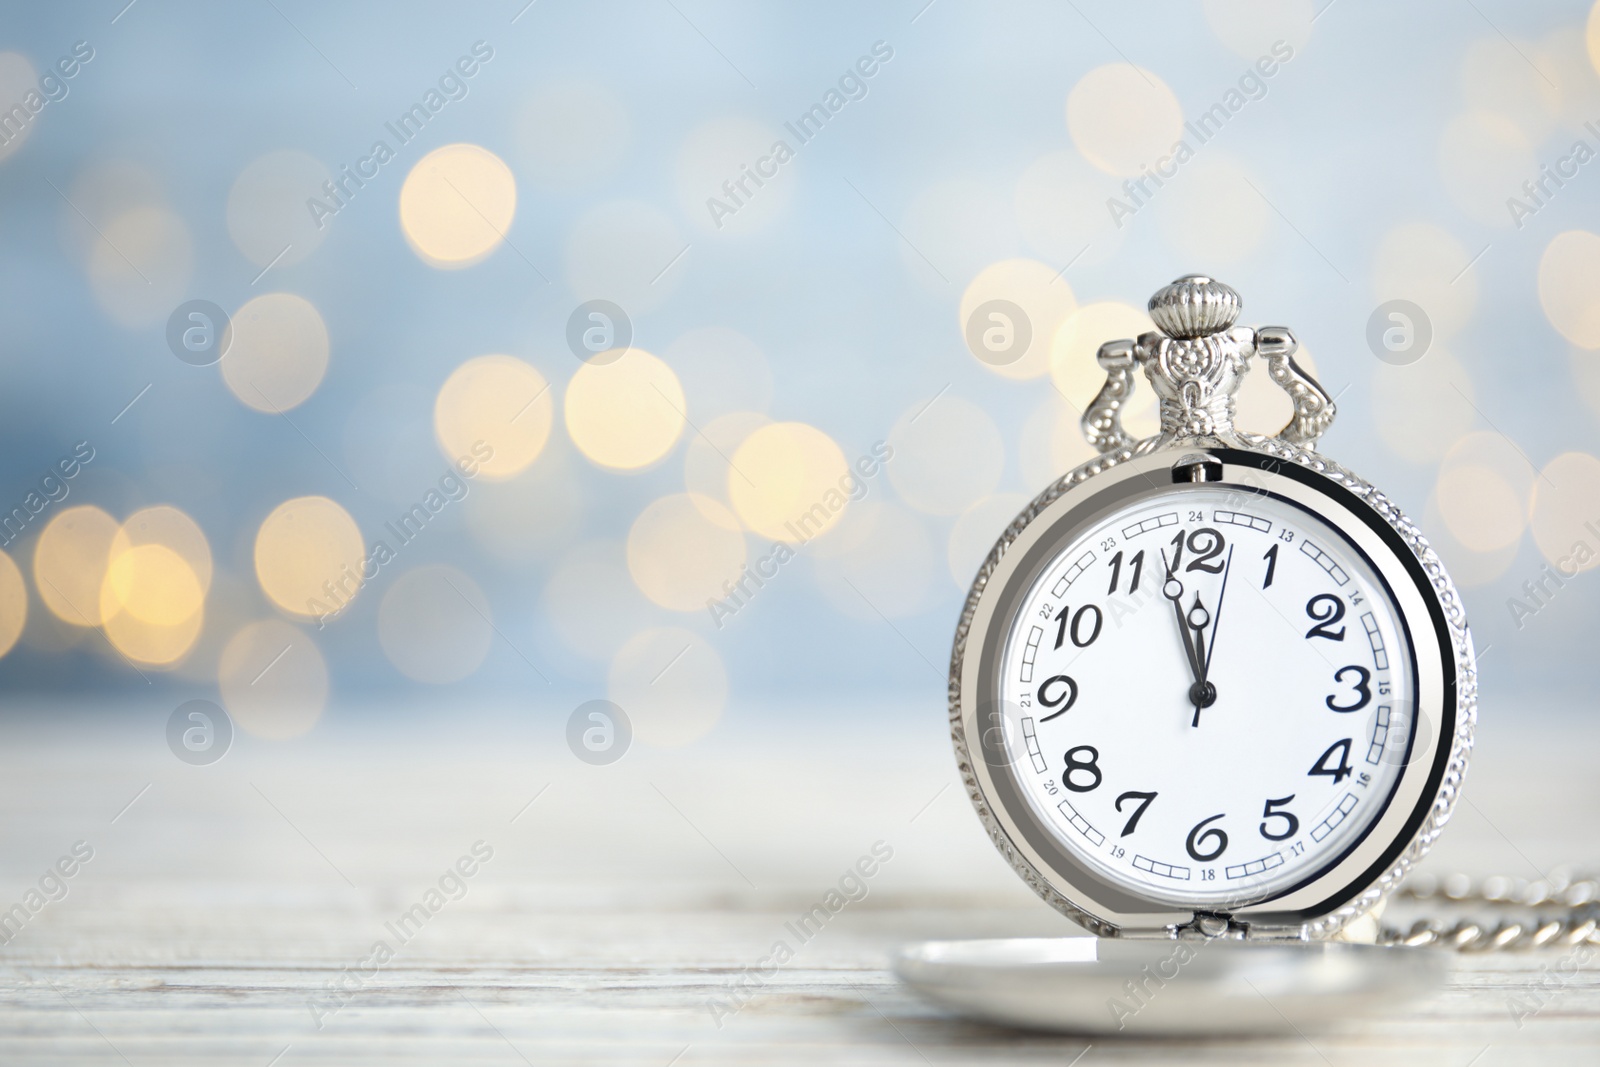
[(222, 904)]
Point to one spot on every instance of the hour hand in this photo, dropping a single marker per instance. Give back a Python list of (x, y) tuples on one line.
[(1191, 627), (1202, 694), (1172, 589), (1198, 619)]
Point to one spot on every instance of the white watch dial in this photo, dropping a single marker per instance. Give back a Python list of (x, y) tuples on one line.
[(1208, 696)]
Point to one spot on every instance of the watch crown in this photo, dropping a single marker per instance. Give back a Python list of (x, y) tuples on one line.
[(1194, 306)]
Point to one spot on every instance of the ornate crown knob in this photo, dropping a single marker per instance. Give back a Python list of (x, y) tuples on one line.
[(1194, 306), (1195, 363)]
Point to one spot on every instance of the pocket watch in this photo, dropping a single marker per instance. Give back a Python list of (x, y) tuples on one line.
[(1211, 683)]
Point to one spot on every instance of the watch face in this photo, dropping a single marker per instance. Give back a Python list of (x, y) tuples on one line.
[(1208, 696)]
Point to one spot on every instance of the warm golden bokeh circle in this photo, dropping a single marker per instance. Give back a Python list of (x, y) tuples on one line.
[(273, 680), (163, 524), (152, 597), (154, 644), (1468, 569), (708, 454), (303, 546), (457, 204), (684, 551), (1123, 117), (789, 481), (496, 407), (152, 584), (1482, 492), (627, 413), (1565, 512), (1481, 508), (1569, 286), (1077, 373), (70, 561), (279, 352), (13, 603), (1592, 36), (1044, 297)]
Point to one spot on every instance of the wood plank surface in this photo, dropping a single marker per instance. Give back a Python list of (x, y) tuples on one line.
[(229, 914)]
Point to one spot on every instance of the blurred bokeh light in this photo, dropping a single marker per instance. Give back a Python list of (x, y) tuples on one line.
[(830, 379), (493, 416), (626, 412), (456, 205), (309, 556), (788, 481), (279, 352)]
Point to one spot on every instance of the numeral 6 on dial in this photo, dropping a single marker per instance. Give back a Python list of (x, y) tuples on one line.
[(1196, 837)]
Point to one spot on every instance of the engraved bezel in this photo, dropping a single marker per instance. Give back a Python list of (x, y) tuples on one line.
[(1344, 887)]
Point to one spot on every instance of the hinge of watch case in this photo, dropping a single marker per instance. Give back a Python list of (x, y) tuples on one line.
[(1210, 926)]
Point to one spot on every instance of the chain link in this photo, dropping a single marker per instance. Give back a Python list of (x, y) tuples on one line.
[(1559, 910)]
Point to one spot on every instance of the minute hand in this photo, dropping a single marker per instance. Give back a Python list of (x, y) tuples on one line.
[(1206, 693), (1216, 617)]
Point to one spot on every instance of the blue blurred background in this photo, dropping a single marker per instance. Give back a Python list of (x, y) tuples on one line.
[(777, 336)]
